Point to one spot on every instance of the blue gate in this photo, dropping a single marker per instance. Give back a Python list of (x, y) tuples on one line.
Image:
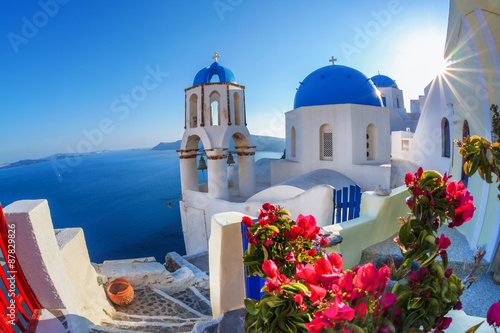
[(347, 203), (253, 284)]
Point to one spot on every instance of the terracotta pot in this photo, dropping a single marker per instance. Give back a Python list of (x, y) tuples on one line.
[(120, 292)]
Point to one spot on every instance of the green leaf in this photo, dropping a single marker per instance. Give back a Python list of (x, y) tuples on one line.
[(250, 306), (474, 328), (412, 318)]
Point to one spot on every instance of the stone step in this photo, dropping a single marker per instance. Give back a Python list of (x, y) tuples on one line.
[(460, 256), (148, 326), (154, 302), (193, 298)]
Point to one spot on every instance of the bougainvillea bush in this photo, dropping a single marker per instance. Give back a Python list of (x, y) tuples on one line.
[(308, 290)]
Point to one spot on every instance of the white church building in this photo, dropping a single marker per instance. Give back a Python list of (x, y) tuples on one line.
[(338, 134)]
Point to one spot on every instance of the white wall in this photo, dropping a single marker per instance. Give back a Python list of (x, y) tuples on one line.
[(349, 123)]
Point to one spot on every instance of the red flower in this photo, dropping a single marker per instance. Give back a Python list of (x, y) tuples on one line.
[(323, 241), (290, 256), (420, 172), (458, 306), (339, 311), (442, 242), (366, 277), (298, 298), (493, 315), (308, 224), (312, 252), (268, 242), (448, 272), (272, 285), (251, 238), (409, 202), (269, 267), (409, 179), (248, 222), (308, 274), (417, 191), (336, 260), (346, 282), (263, 223), (317, 293), (463, 214), (361, 309)]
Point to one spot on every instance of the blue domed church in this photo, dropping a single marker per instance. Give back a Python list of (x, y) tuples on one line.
[(339, 122)]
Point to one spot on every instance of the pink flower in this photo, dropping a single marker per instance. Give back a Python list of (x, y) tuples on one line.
[(387, 300), (268, 242), (448, 272), (442, 323), (323, 241), (248, 222), (346, 282), (493, 315), (442, 242), (458, 306)]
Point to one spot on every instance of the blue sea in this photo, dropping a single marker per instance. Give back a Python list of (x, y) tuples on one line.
[(118, 198)]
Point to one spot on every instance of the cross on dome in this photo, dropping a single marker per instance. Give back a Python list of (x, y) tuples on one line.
[(333, 60), (216, 55)]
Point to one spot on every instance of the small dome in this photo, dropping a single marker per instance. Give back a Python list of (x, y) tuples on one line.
[(206, 74), (382, 81), (336, 84)]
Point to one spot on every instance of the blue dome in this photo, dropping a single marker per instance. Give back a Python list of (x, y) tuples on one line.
[(206, 74), (336, 84), (382, 81)]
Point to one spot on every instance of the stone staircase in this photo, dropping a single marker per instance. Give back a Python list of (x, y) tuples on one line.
[(159, 309)]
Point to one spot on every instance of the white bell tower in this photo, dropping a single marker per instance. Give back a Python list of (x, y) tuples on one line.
[(215, 113)]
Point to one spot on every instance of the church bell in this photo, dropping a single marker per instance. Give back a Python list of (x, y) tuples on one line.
[(230, 159), (202, 165)]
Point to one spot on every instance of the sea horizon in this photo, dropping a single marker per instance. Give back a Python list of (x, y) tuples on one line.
[(118, 198)]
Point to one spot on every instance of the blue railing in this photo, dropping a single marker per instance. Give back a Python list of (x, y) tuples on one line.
[(347, 203), (253, 284)]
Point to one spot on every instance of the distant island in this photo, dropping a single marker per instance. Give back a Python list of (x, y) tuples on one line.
[(46, 159), (263, 143)]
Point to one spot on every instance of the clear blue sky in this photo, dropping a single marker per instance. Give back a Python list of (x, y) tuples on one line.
[(65, 69)]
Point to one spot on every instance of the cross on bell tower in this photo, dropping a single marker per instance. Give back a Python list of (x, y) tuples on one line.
[(333, 60), (216, 56)]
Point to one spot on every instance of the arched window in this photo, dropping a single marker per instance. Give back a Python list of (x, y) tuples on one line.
[(445, 137), (237, 109), (193, 111), (397, 101), (292, 139), (371, 142), (326, 142), (465, 134), (215, 109)]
